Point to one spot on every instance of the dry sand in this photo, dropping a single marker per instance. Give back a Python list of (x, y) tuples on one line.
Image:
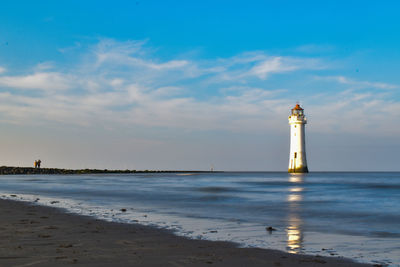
[(32, 235)]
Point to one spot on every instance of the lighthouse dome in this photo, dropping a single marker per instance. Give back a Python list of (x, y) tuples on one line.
[(297, 110), (297, 107)]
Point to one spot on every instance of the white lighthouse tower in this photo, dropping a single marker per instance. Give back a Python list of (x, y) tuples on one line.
[(297, 157)]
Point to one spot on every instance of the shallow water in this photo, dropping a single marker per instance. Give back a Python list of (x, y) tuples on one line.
[(354, 215)]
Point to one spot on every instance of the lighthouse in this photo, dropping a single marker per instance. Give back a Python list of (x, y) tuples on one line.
[(297, 157)]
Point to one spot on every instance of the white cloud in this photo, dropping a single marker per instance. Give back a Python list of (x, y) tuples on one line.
[(117, 82), (2, 70), (359, 84), (131, 53), (273, 65), (40, 80), (258, 64), (121, 84), (44, 66)]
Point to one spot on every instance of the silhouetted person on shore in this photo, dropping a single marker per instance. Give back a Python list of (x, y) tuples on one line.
[(35, 164), (38, 163)]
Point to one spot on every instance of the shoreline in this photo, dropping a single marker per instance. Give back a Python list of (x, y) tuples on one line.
[(33, 235)]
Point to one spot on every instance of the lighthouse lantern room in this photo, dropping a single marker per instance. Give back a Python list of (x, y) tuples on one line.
[(297, 157)]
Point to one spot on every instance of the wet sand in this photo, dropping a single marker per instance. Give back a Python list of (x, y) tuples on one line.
[(32, 235)]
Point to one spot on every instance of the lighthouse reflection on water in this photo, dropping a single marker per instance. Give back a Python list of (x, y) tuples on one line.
[(294, 221)]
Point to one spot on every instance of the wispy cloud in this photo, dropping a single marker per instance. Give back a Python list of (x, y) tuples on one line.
[(259, 65), (130, 53), (40, 80), (116, 84), (359, 84), (273, 65)]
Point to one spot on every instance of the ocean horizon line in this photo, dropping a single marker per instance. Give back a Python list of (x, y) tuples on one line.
[(16, 170)]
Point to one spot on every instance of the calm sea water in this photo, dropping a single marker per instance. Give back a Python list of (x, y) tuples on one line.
[(354, 215)]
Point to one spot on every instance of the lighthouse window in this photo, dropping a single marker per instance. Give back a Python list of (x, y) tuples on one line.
[(295, 126), (295, 154)]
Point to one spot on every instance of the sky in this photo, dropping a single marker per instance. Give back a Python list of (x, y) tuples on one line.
[(186, 85)]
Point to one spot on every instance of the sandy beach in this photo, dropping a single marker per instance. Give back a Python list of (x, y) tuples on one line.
[(33, 235)]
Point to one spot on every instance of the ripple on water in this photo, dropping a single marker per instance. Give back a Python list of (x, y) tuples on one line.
[(215, 189)]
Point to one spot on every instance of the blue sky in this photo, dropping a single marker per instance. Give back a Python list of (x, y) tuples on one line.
[(183, 85)]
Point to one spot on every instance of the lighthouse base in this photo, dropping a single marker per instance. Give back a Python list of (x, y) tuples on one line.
[(302, 169)]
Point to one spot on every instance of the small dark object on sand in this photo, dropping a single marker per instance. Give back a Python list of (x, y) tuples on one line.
[(123, 210), (270, 229), (54, 202)]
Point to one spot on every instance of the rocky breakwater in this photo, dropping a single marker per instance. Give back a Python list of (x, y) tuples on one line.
[(5, 170)]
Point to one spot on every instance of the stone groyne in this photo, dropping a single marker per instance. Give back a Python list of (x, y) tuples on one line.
[(5, 170)]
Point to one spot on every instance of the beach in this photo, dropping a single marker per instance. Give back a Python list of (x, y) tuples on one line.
[(33, 235), (324, 214)]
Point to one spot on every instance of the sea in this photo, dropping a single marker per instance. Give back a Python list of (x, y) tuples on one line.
[(339, 214)]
